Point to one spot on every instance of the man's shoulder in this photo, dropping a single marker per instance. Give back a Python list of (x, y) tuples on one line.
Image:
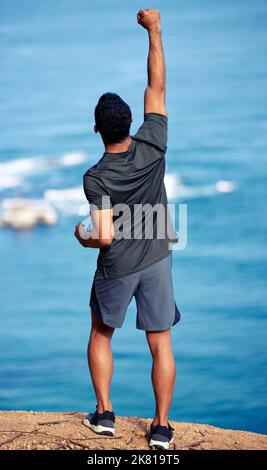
[(93, 171), (153, 131)]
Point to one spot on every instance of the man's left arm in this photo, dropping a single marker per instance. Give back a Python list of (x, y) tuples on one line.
[(102, 232)]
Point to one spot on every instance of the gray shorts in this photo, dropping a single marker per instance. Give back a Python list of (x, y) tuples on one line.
[(152, 289)]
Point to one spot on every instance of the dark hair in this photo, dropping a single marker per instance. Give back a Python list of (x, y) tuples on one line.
[(113, 118)]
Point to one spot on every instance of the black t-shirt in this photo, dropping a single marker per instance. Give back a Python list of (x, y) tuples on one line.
[(133, 183)]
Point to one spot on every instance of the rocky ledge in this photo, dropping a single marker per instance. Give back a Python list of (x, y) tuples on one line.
[(21, 430)]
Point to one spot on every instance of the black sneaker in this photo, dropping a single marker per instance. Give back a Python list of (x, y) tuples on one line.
[(101, 423), (161, 436)]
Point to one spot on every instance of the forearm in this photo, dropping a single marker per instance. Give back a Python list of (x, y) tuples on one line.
[(156, 67), (92, 240)]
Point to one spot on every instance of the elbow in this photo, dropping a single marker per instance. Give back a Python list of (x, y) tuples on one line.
[(158, 87), (161, 87), (106, 237), (105, 242)]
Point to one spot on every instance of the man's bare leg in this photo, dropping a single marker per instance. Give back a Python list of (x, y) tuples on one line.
[(163, 373), (100, 361)]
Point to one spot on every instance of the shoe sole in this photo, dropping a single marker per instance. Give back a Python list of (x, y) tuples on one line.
[(98, 429), (160, 444)]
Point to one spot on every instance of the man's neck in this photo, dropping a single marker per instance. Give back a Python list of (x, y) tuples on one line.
[(120, 147)]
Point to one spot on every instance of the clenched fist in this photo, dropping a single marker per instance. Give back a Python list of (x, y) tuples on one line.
[(148, 18)]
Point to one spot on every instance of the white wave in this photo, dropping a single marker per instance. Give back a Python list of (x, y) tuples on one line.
[(59, 195), (172, 183), (7, 182), (33, 165), (225, 186), (177, 190), (72, 159), (20, 166), (68, 201)]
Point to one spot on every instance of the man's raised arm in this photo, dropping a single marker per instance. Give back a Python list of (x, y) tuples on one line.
[(155, 93)]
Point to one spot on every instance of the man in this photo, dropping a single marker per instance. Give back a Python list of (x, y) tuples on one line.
[(130, 174)]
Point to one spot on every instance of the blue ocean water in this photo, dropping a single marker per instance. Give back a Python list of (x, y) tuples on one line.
[(56, 59)]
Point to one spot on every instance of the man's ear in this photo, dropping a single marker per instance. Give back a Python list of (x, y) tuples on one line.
[(95, 130)]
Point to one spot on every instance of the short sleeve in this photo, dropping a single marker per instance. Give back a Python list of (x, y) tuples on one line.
[(154, 131), (95, 192)]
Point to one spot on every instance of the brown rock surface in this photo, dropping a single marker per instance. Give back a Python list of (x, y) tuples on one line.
[(32, 430)]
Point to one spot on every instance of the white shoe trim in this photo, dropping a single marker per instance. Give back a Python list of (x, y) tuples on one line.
[(164, 445), (98, 428)]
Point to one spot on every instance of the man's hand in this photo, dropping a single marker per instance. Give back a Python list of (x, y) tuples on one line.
[(149, 19), (81, 234)]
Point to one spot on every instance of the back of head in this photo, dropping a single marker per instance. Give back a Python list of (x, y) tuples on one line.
[(113, 118)]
